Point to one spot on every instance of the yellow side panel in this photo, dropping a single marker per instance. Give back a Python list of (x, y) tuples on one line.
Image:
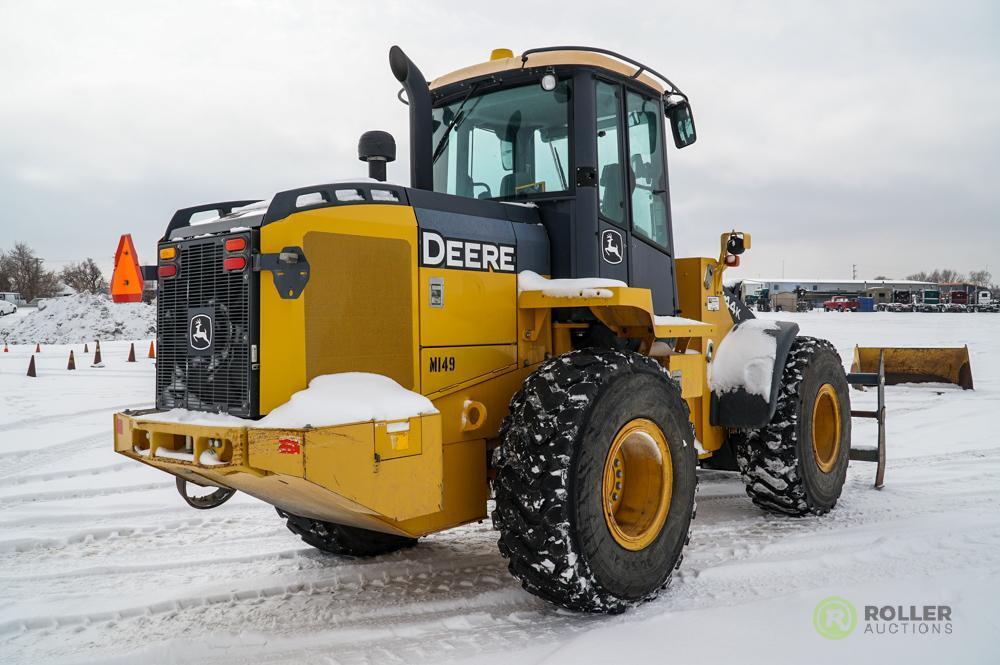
[(692, 372), (449, 366), (342, 459), (278, 451), (284, 362), (470, 307), (465, 490)]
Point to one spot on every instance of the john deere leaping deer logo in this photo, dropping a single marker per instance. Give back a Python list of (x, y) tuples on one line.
[(201, 332), (612, 246)]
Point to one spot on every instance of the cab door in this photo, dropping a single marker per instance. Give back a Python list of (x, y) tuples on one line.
[(634, 233), (650, 238)]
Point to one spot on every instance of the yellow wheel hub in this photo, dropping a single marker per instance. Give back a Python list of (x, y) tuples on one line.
[(826, 428), (638, 482)]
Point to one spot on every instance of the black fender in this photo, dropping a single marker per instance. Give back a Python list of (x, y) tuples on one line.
[(742, 409)]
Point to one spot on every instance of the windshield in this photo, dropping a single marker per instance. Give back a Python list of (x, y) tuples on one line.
[(511, 143)]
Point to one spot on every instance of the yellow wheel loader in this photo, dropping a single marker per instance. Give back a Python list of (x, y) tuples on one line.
[(378, 360)]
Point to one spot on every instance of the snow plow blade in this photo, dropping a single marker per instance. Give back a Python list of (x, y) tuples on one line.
[(917, 365)]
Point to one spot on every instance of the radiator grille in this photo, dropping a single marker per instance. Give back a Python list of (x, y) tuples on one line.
[(218, 378)]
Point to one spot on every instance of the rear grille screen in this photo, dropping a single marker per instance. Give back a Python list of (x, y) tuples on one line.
[(205, 327)]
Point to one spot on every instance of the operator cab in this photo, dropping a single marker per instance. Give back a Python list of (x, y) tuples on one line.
[(580, 134)]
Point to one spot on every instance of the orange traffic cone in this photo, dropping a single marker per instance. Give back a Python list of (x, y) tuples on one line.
[(97, 356), (72, 361), (38, 348), (31, 367), (152, 350), (131, 352), (85, 349)]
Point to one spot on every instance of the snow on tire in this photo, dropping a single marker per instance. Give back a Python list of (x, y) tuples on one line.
[(796, 465), (557, 447)]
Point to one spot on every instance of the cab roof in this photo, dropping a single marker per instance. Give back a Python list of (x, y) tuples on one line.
[(563, 56)]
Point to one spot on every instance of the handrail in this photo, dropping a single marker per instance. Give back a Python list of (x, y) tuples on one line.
[(640, 68)]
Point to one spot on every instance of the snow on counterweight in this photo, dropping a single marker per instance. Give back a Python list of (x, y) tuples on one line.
[(332, 399)]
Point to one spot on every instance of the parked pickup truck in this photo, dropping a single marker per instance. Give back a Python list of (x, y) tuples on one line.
[(841, 304)]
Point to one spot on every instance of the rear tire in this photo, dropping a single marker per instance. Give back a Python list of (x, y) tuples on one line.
[(797, 464), (344, 540), (567, 533)]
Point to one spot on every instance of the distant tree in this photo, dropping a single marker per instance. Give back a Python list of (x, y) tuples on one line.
[(5, 283), (84, 277), (980, 278), (26, 273), (949, 276), (938, 276), (882, 277)]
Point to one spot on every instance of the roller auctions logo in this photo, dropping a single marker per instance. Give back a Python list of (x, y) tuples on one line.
[(835, 618)]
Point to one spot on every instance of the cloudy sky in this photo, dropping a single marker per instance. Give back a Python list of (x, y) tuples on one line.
[(837, 133)]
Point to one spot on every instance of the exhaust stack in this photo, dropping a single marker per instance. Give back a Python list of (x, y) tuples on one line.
[(421, 132)]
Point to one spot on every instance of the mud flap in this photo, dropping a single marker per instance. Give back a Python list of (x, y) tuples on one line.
[(743, 409)]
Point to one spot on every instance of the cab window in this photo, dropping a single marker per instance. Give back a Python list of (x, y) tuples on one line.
[(511, 143), (610, 177), (646, 168)]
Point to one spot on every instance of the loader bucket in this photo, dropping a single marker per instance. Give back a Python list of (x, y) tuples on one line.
[(917, 365)]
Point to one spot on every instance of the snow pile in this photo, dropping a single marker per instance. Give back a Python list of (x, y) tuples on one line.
[(79, 318), (350, 397), (745, 359), (588, 287)]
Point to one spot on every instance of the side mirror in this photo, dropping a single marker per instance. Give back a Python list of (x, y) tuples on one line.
[(682, 123)]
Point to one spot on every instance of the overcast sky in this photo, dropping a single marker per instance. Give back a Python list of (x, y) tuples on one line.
[(837, 133)]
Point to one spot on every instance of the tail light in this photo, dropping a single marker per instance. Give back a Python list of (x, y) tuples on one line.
[(234, 263), (236, 244), (167, 270)]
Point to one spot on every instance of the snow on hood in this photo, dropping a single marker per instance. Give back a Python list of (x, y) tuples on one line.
[(79, 318), (587, 287), (350, 397), (745, 359)]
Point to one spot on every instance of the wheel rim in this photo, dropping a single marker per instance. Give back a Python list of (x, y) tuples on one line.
[(638, 483), (826, 428)]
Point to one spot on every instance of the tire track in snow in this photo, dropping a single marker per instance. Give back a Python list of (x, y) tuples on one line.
[(24, 460), (64, 475), (48, 420), (12, 500)]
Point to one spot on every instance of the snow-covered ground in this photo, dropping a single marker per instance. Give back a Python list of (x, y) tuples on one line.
[(101, 562)]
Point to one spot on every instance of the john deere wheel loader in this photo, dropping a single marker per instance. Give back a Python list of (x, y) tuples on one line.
[(526, 284)]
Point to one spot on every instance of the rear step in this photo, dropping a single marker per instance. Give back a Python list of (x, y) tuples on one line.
[(877, 455)]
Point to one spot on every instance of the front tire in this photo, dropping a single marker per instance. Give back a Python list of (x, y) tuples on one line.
[(344, 540), (797, 464), (595, 486)]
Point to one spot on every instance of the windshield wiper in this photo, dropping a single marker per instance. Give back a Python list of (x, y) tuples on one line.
[(457, 120)]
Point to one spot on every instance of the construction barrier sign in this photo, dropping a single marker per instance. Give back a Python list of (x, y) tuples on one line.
[(126, 281)]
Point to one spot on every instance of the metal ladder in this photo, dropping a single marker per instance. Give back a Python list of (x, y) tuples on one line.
[(877, 380)]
